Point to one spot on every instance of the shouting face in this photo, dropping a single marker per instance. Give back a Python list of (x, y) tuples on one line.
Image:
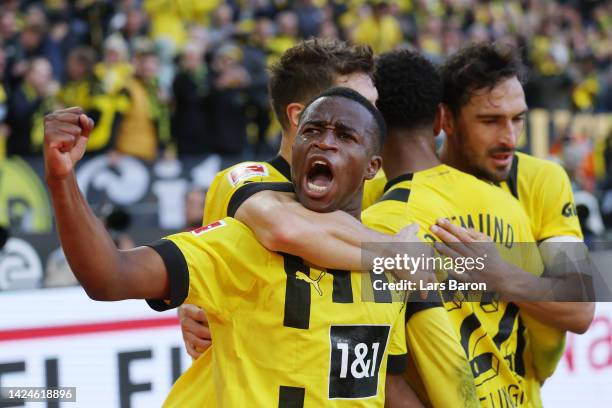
[(333, 154)]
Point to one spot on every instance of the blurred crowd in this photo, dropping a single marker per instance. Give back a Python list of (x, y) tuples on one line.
[(176, 77)]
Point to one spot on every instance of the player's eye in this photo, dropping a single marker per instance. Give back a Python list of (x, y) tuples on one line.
[(346, 136), (519, 119), (311, 131)]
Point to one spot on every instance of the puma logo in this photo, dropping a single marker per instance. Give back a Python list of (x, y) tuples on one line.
[(313, 282)]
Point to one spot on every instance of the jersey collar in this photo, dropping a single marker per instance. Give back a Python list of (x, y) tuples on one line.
[(281, 165), (398, 179)]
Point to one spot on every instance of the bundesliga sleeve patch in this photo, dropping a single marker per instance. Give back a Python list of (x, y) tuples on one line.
[(201, 230), (247, 171)]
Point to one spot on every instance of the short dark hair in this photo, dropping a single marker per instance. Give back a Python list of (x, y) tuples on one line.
[(409, 89), (312, 66), (341, 92), (478, 66)]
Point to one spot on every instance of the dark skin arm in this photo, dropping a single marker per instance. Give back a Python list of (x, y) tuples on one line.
[(105, 272), (398, 393)]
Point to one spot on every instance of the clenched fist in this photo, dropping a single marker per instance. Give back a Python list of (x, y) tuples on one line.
[(66, 133)]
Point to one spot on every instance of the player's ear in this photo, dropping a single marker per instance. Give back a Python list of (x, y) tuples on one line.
[(294, 110), (437, 125), (373, 167), (447, 120)]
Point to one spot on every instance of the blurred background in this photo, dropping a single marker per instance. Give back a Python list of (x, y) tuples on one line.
[(178, 91)]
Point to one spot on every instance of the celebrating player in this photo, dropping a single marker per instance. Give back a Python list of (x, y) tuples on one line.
[(301, 73), (485, 110), (277, 343)]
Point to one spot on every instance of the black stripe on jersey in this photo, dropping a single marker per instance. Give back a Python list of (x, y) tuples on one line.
[(468, 326), (297, 294), (399, 194), (481, 364), (178, 274), (343, 287), (381, 296), (397, 363), (519, 363), (506, 325), (512, 179), (398, 179), (245, 191), (291, 397), (281, 165), (416, 304)]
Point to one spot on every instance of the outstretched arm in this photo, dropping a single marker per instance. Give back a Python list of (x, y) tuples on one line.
[(331, 240), (105, 272)]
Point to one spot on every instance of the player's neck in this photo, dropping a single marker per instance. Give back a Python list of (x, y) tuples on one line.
[(286, 146), (408, 153), (449, 157), (354, 206)]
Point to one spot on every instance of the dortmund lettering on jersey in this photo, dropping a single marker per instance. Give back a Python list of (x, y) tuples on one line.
[(545, 191), (490, 334), (286, 334)]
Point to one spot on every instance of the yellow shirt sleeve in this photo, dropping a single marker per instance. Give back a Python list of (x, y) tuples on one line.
[(552, 210), (436, 353), (209, 266), (228, 181), (397, 344)]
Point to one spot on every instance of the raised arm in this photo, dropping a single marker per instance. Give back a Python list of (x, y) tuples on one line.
[(105, 272), (331, 240)]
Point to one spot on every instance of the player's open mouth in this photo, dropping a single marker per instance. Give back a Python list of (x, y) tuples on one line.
[(319, 178), (502, 159)]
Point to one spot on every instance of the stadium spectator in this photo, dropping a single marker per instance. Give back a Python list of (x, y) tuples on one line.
[(379, 29), (79, 72), (84, 89), (191, 89), (27, 105), (145, 128), (255, 55), (194, 208), (287, 25), (228, 101)]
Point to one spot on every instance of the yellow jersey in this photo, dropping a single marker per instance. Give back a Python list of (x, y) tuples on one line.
[(286, 334), (490, 334), (544, 190), (222, 202), (228, 181)]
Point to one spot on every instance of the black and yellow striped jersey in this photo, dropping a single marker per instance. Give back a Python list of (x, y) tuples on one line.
[(490, 334), (285, 333)]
